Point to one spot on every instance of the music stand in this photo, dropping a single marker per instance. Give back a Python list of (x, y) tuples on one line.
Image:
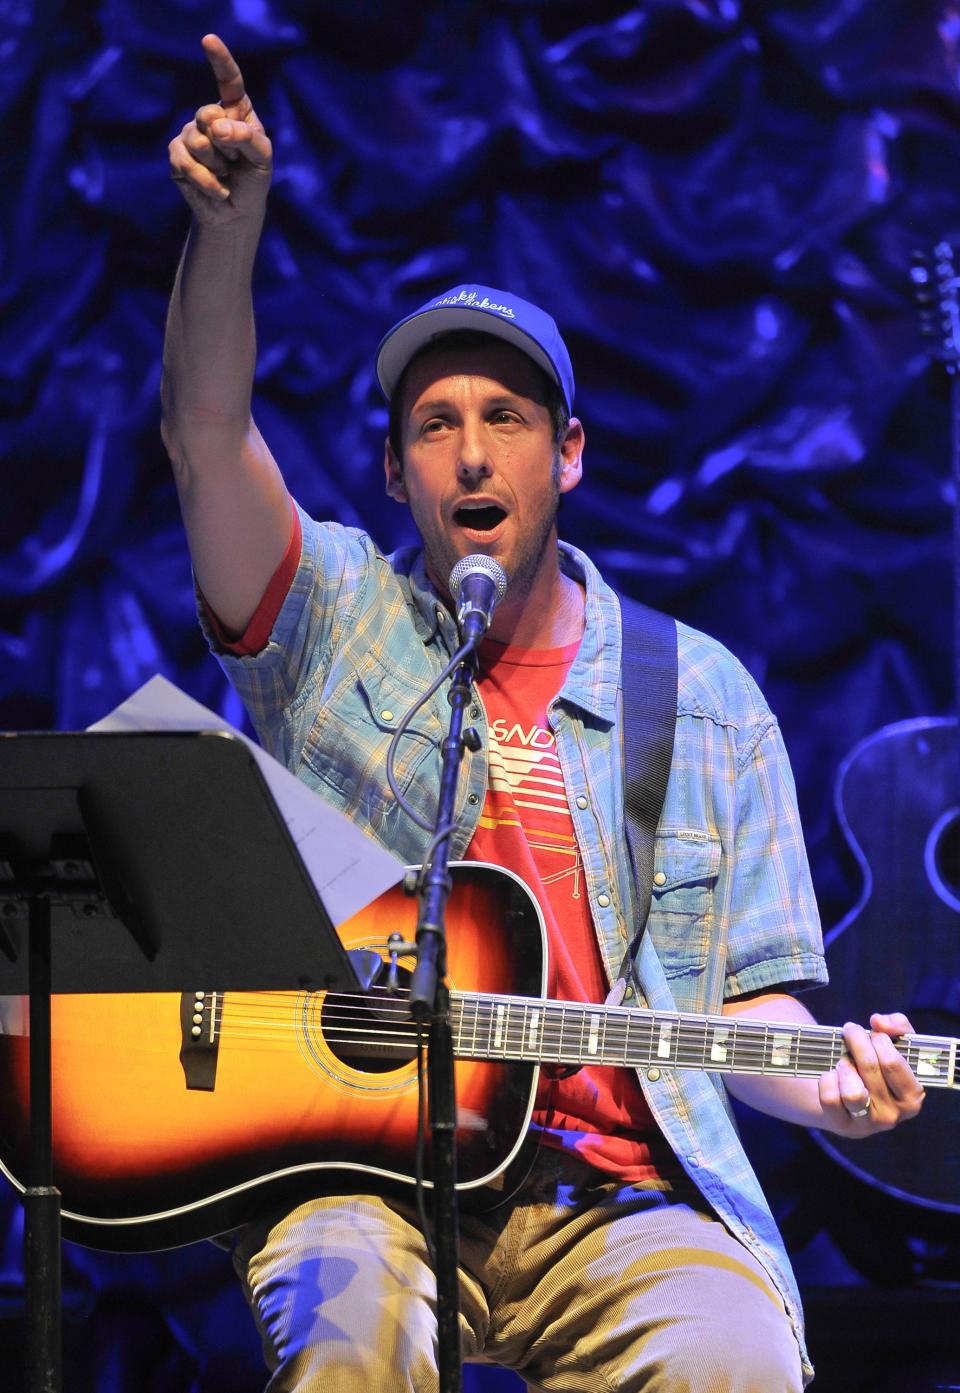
[(137, 862)]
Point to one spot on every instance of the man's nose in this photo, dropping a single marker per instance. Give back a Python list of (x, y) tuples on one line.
[(474, 460)]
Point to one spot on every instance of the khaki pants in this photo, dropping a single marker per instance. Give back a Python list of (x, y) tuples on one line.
[(578, 1284)]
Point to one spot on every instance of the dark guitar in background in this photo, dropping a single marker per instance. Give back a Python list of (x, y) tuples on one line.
[(898, 803)]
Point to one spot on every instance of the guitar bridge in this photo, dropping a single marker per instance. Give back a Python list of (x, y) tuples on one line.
[(200, 1038)]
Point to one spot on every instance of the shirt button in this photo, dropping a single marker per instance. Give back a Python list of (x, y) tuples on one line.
[(603, 901), (473, 799), (653, 1075), (474, 713), (659, 878), (693, 1160), (386, 715), (582, 802)]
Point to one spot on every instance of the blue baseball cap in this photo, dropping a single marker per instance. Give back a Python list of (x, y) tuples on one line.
[(488, 311)]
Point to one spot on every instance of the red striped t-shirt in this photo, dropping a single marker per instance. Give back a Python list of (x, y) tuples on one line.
[(600, 1111)]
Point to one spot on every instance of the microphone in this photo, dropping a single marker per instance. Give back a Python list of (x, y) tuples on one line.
[(477, 584)]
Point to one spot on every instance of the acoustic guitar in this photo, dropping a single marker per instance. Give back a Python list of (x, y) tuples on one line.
[(176, 1116)]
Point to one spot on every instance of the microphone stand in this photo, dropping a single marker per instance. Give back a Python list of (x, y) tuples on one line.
[(430, 1000)]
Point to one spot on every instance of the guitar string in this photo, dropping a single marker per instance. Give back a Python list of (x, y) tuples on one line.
[(283, 1000), (470, 1001), (559, 1020), (575, 1015)]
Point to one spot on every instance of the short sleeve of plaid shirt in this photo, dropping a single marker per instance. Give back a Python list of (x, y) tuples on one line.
[(775, 936), (326, 593)]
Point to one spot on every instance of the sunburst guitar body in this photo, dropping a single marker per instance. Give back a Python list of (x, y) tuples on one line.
[(177, 1116)]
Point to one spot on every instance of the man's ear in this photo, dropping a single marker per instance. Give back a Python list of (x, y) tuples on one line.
[(393, 470), (571, 456)]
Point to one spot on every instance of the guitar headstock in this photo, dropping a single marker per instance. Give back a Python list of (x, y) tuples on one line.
[(936, 289)]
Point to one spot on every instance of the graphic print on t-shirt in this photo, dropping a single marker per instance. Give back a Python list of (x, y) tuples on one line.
[(526, 789)]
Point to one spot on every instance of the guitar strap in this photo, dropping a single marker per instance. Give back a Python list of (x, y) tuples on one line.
[(647, 726)]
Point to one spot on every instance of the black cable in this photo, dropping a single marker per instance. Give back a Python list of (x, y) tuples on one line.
[(462, 653)]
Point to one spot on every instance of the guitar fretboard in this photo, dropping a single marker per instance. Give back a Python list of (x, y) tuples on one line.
[(518, 1028)]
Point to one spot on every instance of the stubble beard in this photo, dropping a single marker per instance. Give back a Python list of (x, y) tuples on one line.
[(523, 567)]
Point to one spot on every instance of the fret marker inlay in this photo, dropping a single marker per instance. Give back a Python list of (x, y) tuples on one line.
[(664, 1042), (593, 1039), (534, 1029), (499, 1015), (718, 1050), (928, 1063), (780, 1047)]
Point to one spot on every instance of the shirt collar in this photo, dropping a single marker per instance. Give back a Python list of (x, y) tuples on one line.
[(593, 681), (432, 617)]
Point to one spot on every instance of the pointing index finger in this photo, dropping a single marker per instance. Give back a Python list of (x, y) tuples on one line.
[(225, 70)]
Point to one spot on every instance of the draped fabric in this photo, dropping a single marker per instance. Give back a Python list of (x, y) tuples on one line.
[(717, 199)]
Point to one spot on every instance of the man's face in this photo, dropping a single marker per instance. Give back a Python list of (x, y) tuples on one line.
[(481, 469)]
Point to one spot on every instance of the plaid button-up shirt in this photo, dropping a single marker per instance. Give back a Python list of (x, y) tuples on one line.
[(361, 635)]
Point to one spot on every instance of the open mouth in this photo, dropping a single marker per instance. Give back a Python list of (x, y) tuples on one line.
[(483, 519)]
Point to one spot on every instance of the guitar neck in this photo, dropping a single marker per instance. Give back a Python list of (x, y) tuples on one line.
[(561, 1032)]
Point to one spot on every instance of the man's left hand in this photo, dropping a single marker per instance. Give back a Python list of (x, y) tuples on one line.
[(873, 1087)]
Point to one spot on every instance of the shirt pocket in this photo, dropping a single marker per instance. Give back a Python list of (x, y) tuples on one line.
[(685, 869), (346, 746)]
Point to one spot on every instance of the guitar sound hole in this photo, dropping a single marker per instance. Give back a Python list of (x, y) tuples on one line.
[(943, 857), (372, 1034)]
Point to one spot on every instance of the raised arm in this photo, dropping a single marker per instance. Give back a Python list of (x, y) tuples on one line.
[(236, 508)]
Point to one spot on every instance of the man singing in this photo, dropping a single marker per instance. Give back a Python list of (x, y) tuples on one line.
[(639, 1252)]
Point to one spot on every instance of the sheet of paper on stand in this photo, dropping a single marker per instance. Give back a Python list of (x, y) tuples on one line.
[(347, 868)]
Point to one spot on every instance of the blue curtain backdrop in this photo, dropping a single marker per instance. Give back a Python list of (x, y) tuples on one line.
[(718, 201)]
